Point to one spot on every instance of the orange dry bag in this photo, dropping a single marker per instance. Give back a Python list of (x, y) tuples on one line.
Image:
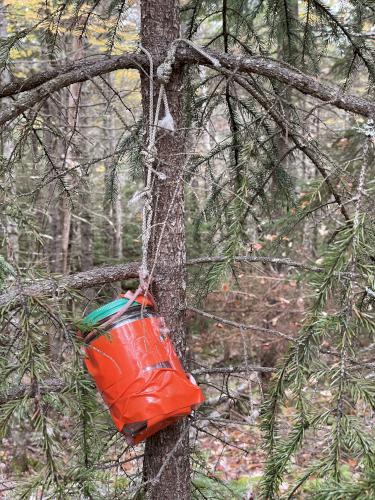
[(136, 369)]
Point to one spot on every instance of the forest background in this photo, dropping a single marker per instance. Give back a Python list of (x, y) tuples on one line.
[(271, 163)]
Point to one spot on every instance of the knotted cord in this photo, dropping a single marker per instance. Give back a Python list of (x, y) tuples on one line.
[(149, 156), (163, 73)]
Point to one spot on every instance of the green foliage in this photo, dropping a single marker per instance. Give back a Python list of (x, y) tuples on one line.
[(213, 488), (362, 488), (25, 359), (244, 183), (6, 270), (334, 315)]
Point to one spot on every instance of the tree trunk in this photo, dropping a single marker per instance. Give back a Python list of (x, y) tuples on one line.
[(170, 447), (52, 219), (11, 225), (112, 207), (86, 256), (69, 160)]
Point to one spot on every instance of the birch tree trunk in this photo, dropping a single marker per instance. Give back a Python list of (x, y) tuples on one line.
[(68, 161), (11, 226), (112, 208), (169, 448)]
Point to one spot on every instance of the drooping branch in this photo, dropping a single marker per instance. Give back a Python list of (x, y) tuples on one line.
[(38, 87), (303, 145), (19, 85), (54, 80), (55, 385), (288, 75), (109, 274), (27, 390)]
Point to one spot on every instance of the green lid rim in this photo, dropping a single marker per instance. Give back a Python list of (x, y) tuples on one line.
[(105, 311)]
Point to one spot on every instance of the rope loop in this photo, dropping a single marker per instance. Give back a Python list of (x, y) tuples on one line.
[(163, 73)]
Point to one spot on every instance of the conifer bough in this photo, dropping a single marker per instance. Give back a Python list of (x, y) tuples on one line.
[(109, 274), (55, 385), (40, 86)]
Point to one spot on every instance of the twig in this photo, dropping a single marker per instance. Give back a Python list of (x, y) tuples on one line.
[(233, 369), (240, 325)]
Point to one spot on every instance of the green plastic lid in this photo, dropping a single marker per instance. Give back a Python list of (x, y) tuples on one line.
[(103, 312)]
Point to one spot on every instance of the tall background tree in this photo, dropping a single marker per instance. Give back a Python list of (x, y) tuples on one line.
[(266, 158)]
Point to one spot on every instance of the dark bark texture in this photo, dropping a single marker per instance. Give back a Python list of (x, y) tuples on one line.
[(79, 281), (40, 87), (166, 461)]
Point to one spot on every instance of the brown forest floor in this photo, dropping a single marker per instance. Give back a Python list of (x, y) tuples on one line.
[(268, 299), (226, 433)]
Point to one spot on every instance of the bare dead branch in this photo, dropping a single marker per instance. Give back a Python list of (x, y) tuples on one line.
[(261, 259), (79, 281), (101, 275), (233, 369), (241, 326)]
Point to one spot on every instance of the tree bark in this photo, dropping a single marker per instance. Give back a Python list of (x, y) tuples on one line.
[(17, 295), (42, 85), (166, 462)]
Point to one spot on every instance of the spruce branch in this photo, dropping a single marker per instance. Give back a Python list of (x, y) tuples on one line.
[(41, 86), (302, 364), (109, 274), (301, 144)]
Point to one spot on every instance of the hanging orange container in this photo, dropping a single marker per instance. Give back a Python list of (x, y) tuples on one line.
[(136, 369)]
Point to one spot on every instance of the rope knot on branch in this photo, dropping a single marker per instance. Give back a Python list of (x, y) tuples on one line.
[(164, 72)]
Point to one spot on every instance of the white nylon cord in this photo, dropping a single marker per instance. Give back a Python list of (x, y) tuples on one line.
[(164, 72), (150, 156)]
